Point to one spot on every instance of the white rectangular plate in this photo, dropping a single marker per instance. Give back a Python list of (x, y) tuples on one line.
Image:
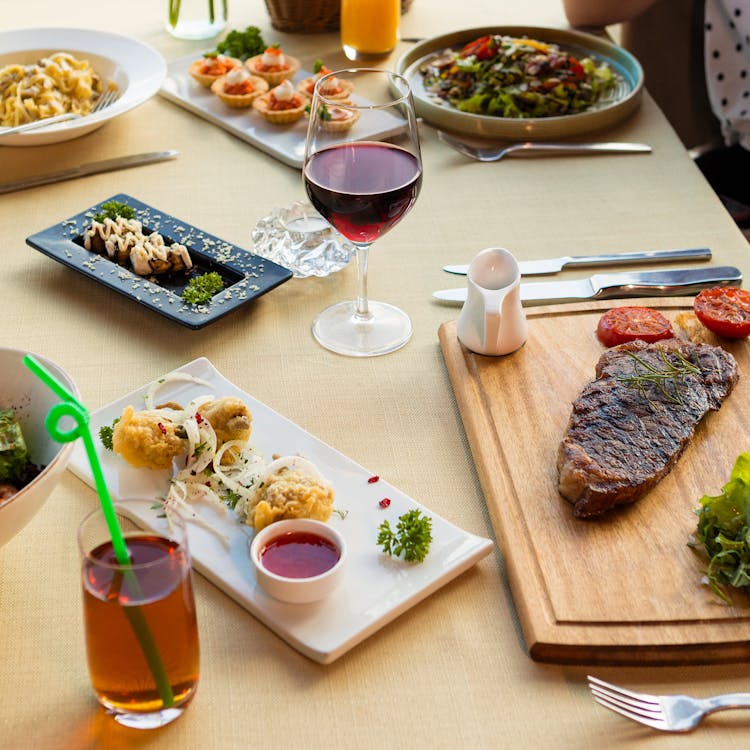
[(376, 588), (284, 142)]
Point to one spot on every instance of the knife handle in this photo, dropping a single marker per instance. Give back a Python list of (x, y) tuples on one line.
[(645, 256), (684, 282)]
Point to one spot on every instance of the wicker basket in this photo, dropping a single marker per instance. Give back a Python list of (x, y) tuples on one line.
[(309, 16)]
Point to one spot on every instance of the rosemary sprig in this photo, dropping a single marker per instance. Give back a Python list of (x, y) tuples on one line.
[(672, 374)]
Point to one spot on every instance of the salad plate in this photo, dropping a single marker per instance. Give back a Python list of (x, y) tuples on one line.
[(245, 276), (622, 101), (376, 588), (283, 142), (137, 69)]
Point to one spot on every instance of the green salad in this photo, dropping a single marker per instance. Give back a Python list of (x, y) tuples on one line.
[(724, 531), (502, 76)]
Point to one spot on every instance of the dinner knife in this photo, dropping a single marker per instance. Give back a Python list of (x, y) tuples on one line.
[(554, 265), (675, 283), (94, 167)]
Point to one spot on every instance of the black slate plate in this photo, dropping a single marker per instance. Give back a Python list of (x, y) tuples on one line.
[(246, 276)]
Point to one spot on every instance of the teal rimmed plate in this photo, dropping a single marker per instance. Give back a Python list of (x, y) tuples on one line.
[(621, 103)]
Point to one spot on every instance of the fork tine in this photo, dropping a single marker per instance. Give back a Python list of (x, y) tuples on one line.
[(623, 693), (108, 97), (654, 723), (647, 709)]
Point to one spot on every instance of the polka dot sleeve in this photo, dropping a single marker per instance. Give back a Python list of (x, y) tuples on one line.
[(727, 58)]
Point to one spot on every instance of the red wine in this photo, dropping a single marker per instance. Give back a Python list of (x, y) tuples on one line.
[(363, 189)]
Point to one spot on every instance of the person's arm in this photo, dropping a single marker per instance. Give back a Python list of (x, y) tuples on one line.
[(603, 12)]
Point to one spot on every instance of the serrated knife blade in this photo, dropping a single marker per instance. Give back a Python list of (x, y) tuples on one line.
[(682, 282)]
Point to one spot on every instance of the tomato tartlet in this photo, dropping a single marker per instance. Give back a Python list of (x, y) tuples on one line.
[(273, 65), (334, 88), (212, 67), (282, 104), (238, 88)]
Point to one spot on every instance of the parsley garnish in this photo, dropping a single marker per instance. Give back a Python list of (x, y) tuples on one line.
[(113, 209), (201, 288), (106, 433), (412, 537), (242, 44)]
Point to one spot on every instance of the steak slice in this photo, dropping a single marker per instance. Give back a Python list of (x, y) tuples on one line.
[(621, 440)]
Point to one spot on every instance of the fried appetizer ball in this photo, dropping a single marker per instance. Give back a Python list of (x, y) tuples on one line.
[(289, 494), (147, 439), (230, 419)]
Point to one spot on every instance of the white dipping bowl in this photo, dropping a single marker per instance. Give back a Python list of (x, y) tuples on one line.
[(31, 400), (297, 590)]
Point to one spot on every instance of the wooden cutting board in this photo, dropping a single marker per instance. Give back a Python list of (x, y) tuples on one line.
[(624, 589)]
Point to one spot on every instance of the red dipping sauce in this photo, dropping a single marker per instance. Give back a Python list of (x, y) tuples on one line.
[(299, 554)]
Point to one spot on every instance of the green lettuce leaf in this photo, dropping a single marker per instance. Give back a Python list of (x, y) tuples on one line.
[(14, 457)]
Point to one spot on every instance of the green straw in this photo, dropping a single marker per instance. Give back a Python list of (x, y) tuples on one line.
[(71, 407)]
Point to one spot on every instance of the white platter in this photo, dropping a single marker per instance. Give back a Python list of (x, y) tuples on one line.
[(284, 142), (137, 69), (376, 588)]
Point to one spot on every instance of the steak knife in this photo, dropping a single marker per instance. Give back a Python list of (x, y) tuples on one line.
[(94, 167), (554, 265), (682, 282)]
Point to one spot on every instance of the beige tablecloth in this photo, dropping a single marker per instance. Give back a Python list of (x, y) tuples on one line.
[(452, 672)]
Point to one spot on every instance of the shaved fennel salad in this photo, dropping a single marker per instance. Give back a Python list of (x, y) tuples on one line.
[(503, 76)]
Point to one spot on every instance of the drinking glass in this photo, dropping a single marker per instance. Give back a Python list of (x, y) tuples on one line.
[(139, 620), (369, 28), (363, 172), (196, 19)]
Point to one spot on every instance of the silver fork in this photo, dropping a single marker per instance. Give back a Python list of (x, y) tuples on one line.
[(108, 97), (668, 713), (495, 153)]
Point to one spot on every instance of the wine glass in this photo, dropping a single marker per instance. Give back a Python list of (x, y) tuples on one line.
[(362, 172)]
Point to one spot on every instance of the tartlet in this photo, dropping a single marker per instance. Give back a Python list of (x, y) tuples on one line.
[(338, 119), (336, 89), (273, 65), (238, 88), (282, 104), (210, 68)]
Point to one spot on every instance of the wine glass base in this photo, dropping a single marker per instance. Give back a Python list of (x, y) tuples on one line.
[(339, 329)]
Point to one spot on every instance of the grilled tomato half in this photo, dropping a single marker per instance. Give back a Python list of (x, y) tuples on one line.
[(725, 310), (628, 323)]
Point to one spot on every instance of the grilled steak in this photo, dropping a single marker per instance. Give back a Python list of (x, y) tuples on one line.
[(624, 436)]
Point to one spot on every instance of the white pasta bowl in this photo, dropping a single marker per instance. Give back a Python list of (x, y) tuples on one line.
[(136, 69), (31, 401), (296, 590)]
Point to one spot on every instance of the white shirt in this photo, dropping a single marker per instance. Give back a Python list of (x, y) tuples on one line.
[(727, 59)]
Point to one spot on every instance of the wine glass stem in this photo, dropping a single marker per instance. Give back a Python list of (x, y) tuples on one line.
[(363, 311)]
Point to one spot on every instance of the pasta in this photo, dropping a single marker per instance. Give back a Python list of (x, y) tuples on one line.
[(52, 86)]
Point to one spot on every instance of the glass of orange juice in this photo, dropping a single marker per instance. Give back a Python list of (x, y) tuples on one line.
[(369, 28), (139, 620)]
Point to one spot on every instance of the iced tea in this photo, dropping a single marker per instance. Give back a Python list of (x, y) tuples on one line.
[(153, 596)]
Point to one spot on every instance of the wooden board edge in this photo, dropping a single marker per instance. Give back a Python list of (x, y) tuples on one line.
[(521, 568)]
